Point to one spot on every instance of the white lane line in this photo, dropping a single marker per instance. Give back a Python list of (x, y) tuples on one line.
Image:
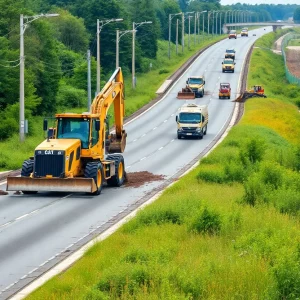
[(134, 140), (143, 158), (24, 216), (128, 167), (32, 271), (154, 128), (172, 115), (160, 148), (172, 141), (143, 135), (165, 121)]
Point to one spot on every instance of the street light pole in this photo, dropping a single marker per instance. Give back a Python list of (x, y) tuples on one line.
[(119, 34), (23, 26), (170, 24), (100, 25), (134, 27), (177, 22)]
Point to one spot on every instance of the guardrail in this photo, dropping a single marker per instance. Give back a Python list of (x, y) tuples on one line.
[(289, 76)]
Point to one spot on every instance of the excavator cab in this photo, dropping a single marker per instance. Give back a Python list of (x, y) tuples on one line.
[(258, 89)]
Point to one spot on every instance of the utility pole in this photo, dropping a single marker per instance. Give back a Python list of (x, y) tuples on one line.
[(189, 31), (195, 27), (22, 67), (100, 25), (177, 22), (169, 52), (117, 49), (23, 26), (134, 27), (182, 33), (89, 80)]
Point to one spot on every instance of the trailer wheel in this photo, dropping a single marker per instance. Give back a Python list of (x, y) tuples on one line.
[(205, 130), (95, 170), (27, 169), (119, 177)]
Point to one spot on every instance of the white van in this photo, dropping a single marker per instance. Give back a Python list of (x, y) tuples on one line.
[(192, 121)]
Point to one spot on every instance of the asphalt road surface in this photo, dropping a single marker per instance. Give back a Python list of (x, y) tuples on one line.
[(36, 228)]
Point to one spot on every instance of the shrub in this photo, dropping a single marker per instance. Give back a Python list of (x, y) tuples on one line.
[(287, 274), (163, 71), (254, 190), (8, 128), (234, 172), (253, 151), (287, 200), (207, 222), (271, 174)]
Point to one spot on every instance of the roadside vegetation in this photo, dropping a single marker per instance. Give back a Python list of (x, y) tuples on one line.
[(227, 230), (147, 84)]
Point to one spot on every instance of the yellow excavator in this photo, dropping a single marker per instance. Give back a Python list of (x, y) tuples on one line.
[(73, 157), (255, 91)]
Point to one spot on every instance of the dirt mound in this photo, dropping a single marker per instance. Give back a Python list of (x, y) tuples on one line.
[(293, 61), (137, 179)]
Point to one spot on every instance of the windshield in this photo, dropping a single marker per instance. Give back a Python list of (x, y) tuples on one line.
[(229, 51), (74, 128), (228, 62), (232, 31), (195, 81), (193, 118)]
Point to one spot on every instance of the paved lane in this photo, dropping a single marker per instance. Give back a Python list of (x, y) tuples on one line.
[(33, 229)]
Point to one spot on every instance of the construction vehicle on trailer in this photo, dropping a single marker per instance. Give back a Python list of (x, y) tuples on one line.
[(192, 121), (72, 158), (194, 88), (255, 91), (224, 91)]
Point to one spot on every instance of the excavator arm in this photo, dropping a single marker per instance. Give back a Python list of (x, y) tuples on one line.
[(112, 93)]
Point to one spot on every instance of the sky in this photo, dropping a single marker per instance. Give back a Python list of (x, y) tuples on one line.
[(228, 2)]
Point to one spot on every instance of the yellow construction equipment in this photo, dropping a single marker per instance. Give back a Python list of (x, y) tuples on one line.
[(72, 158), (255, 91)]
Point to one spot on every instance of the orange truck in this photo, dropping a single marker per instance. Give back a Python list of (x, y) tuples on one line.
[(224, 91)]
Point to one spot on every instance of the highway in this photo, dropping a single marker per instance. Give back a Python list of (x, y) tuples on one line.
[(36, 229)]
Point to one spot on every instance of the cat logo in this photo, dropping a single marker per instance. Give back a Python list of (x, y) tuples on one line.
[(48, 151)]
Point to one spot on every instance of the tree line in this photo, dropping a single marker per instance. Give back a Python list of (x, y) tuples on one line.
[(55, 48)]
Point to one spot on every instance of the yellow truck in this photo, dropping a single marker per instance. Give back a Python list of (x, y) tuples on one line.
[(196, 84), (228, 65), (244, 32), (192, 121)]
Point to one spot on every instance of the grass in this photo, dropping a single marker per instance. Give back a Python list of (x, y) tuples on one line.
[(294, 43), (232, 238), (13, 153)]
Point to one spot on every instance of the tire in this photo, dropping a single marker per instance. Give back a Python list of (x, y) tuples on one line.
[(202, 94), (27, 169), (232, 71), (179, 136), (205, 131), (119, 177), (228, 97), (94, 170)]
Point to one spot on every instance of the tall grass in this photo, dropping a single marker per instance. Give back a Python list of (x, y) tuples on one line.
[(13, 153), (227, 230)]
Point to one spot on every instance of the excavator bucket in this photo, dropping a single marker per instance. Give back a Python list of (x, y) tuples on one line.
[(84, 185), (115, 144), (186, 93)]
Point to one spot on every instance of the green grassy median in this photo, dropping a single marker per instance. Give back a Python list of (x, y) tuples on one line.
[(227, 230)]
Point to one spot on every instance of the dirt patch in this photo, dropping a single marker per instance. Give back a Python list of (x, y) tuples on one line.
[(3, 193), (137, 179), (293, 61)]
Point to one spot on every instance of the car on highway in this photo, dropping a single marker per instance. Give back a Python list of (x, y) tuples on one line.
[(244, 32), (228, 65), (230, 53), (232, 34)]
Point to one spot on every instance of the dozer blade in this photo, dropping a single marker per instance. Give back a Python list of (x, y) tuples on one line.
[(84, 185), (185, 95)]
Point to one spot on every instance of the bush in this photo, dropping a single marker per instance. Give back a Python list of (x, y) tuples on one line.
[(235, 172), (71, 97), (159, 216), (163, 71), (254, 190), (207, 222), (271, 174), (287, 201), (214, 175), (287, 274), (253, 151), (8, 128)]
